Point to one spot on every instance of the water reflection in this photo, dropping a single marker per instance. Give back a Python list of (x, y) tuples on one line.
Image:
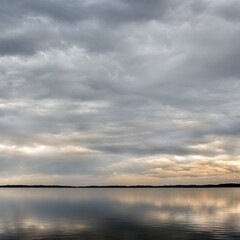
[(120, 214)]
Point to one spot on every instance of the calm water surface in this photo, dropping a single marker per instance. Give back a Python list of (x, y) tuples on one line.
[(143, 214)]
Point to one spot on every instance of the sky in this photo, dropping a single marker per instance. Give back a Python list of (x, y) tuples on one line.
[(119, 92)]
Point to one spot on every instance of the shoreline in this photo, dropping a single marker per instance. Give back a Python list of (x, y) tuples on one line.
[(224, 185)]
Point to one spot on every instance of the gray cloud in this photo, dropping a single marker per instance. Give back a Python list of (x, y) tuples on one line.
[(228, 10), (107, 88)]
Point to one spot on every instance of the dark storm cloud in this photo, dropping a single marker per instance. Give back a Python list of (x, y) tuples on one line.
[(74, 11), (9, 46), (55, 16), (111, 89), (228, 10)]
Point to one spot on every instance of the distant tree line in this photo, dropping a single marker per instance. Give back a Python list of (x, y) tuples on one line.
[(222, 185)]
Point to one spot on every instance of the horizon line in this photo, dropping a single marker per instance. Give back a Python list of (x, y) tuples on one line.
[(121, 186)]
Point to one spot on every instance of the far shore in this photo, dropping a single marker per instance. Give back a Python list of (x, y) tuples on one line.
[(223, 185)]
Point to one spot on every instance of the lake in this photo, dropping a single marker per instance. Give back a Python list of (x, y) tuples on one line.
[(143, 214)]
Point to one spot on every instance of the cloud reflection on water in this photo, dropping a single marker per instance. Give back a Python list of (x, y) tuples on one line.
[(120, 213)]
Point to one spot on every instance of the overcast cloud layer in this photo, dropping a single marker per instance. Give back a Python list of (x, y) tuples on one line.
[(119, 91)]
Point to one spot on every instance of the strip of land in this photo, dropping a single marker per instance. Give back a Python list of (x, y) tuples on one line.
[(223, 185)]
